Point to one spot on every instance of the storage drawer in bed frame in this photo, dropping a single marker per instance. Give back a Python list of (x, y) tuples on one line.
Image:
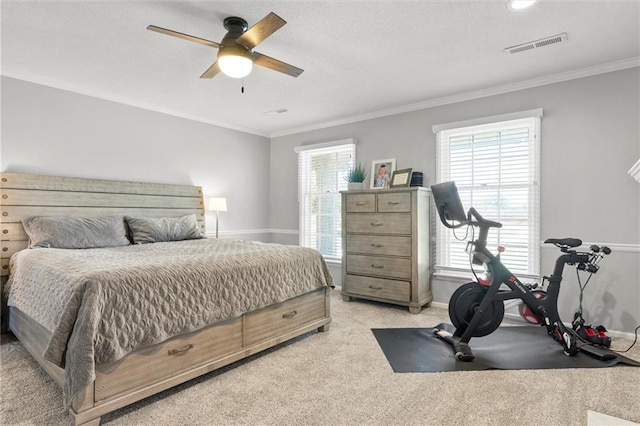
[(211, 343)]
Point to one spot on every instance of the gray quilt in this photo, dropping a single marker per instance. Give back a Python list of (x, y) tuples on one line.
[(101, 304)]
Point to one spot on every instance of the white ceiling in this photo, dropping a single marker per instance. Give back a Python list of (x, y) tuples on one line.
[(361, 58)]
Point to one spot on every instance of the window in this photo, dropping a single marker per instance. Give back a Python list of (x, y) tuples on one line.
[(322, 169), (495, 164)]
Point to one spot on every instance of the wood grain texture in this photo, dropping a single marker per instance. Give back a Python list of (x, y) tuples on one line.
[(382, 266), (380, 288), (381, 245), (34, 338), (24, 195), (388, 250), (379, 223), (283, 317), (151, 370), (397, 202), (73, 184), (360, 203), (36, 197), (165, 359)]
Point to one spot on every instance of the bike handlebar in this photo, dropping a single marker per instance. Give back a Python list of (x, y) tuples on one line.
[(482, 222), (584, 260)]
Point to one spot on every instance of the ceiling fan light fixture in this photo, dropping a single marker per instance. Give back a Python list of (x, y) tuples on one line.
[(235, 61), (521, 4), (235, 52)]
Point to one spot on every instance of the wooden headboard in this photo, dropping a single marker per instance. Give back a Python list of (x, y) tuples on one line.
[(24, 195)]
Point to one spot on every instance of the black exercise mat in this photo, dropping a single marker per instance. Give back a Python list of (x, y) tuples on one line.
[(417, 350)]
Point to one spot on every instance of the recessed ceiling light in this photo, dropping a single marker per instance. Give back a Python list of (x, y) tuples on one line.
[(521, 4)]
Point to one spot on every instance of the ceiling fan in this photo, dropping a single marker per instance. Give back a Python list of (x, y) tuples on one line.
[(235, 52)]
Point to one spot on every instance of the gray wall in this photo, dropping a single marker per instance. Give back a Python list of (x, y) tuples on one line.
[(590, 139), (56, 132)]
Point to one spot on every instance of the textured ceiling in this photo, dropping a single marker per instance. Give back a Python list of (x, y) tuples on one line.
[(360, 58)]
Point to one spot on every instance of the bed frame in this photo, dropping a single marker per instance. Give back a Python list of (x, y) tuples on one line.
[(150, 370)]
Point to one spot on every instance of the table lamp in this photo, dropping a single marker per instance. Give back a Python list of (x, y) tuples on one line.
[(217, 205)]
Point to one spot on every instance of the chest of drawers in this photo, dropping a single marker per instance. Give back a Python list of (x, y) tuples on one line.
[(386, 246)]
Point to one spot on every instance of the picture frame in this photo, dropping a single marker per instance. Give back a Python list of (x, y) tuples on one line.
[(401, 178), (386, 167)]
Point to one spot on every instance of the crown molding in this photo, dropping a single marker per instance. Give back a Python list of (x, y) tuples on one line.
[(461, 97), (477, 94)]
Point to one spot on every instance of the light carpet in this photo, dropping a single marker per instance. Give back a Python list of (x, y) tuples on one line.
[(343, 378)]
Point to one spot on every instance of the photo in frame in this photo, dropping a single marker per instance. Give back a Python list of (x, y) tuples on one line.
[(401, 178), (381, 172)]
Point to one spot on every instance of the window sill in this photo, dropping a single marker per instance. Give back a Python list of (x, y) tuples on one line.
[(332, 261)]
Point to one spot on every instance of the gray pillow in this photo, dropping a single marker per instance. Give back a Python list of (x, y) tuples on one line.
[(158, 229), (75, 232)]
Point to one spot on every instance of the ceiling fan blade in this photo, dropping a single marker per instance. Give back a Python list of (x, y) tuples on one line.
[(261, 30), (183, 36), (276, 65), (212, 71)]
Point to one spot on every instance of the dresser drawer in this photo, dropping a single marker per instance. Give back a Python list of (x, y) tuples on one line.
[(379, 244), (361, 203), (378, 287), (376, 265), (399, 202), (286, 316), (379, 223)]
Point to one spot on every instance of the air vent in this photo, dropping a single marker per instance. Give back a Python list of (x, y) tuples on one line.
[(537, 44)]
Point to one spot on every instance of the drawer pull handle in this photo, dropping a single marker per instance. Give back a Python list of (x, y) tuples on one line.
[(394, 202), (290, 314), (377, 245), (377, 266), (360, 203), (377, 223), (375, 288), (181, 351)]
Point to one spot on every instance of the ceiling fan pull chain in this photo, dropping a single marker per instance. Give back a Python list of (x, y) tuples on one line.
[(242, 89)]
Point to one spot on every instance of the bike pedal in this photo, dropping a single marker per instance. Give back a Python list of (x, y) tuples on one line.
[(594, 335)]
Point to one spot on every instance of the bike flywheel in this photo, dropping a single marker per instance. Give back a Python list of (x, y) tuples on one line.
[(464, 303)]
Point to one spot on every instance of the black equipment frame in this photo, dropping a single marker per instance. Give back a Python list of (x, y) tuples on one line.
[(477, 308)]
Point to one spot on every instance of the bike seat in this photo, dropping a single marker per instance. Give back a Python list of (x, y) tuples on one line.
[(567, 242)]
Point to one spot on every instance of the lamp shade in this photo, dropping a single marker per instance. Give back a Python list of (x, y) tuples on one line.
[(235, 61), (521, 4), (218, 204)]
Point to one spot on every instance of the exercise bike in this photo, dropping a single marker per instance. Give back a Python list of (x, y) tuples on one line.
[(476, 308)]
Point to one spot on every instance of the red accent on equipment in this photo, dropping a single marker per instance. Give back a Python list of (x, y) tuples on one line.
[(527, 313)]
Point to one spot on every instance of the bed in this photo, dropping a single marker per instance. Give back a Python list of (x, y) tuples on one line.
[(115, 324)]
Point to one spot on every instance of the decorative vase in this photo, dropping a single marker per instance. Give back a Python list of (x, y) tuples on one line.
[(355, 186)]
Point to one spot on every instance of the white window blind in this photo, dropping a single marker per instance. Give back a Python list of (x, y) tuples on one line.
[(321, 175), (496, 168)]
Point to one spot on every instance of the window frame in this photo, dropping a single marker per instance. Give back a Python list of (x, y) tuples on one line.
[(305, 153), (444, 236)]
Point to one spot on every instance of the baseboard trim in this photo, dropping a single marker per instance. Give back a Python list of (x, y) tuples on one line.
[(440, 305), (254, 231)]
